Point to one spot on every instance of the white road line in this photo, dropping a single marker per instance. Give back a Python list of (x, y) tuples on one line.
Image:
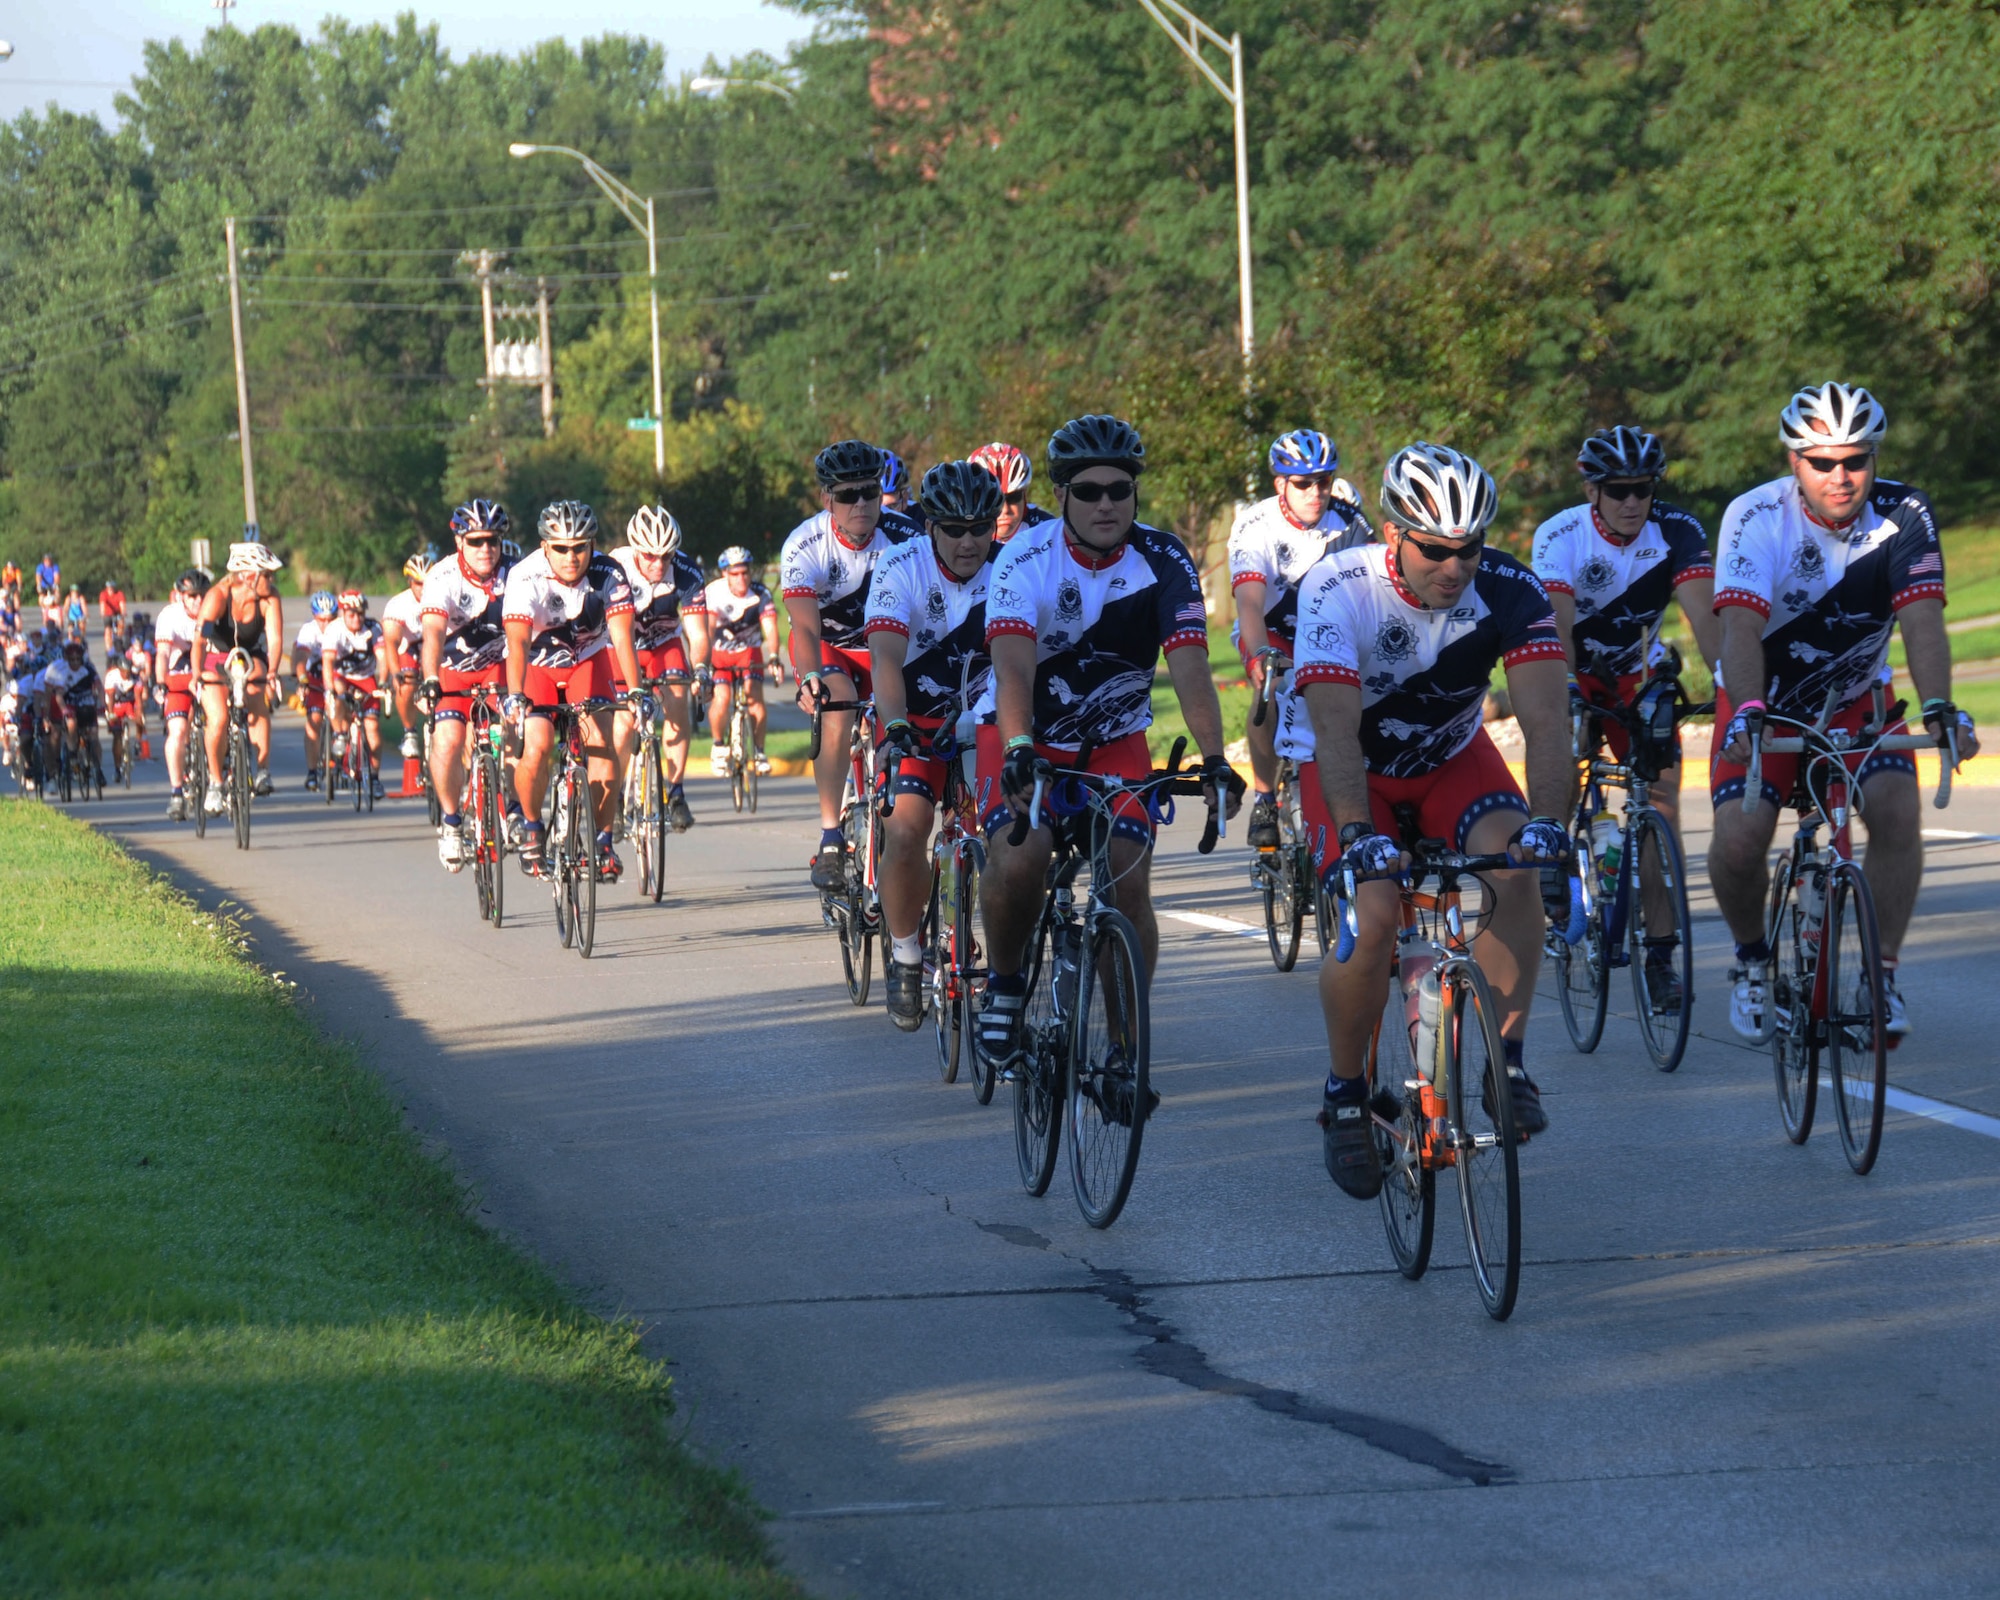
[(1957, 836), (1202, 919)]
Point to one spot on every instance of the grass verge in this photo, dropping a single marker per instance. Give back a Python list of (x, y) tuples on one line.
[(250, 1341)]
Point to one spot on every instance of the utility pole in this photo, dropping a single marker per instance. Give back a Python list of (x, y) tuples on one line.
[(548, 362), (482, 264), (653, 298), (250, 529)]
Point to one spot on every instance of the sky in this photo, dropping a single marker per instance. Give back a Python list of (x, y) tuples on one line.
[(80, 56)]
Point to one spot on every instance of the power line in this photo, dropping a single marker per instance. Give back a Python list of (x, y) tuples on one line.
[(102, 305), (127, 338), (307, 252), (440, 305)]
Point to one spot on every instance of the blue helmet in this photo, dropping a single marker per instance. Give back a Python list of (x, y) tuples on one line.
[(323, 603), (1303, 453), (895, 476)]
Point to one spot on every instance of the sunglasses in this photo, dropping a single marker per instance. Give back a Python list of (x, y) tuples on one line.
[(1826, 466), (1117, 493), (1447, 552), (567, 550), (1312, 480), (856, 494), (963, 530), (480, 543), (1627, 491), (1018, 498)]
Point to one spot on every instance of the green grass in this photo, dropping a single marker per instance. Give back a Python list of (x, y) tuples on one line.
[(251, 1343)]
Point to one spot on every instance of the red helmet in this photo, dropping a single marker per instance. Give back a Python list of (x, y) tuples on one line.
[(1009, 465)]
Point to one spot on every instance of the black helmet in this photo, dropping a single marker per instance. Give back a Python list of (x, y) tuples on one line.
[(1621, 452), (849, 461), (959, 491), (1095, 441), (192, 581)]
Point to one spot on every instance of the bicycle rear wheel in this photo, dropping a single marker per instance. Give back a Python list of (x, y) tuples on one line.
[(857, 950), (643, 823), (1488, 1157), (1409, 1188), (433, 806), (357, 761), (241, 765), (1857, 1043), (1582, 982), (197, 778), (1323, 915), (1038, 1074), (1284, 915), (1794, 1057), (1110, 1095), (656, 821), (940, 992), (329, 769), (1656, 853)]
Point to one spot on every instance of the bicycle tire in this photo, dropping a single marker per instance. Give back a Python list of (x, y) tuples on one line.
[(656, 820), (197, 777), (1794, 1057), (1857, 1040), (555, 851), (965, 965), (241, 765), (1665, 1034), (1284, 914), (738, 765), (1109, 1097), (1323, 917), (433, 803), (639, 816), (1409, 1188), (750, 785), (329, 769), (357, 761), (1039, 1071), (857, 951), (1583, 977), (940, 994), (584, 832), (496, 837), (1486, 1147)]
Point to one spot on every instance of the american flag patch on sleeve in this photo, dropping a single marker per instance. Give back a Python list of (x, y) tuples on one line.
[(1926, 564), (1199, 612)]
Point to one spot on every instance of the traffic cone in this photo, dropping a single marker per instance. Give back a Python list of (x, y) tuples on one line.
[(413, 784), (146, 747)]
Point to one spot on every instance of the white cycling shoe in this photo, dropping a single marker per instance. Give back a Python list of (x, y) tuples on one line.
[(409, 746), (763, 765), (718, 763), (451, 849), (1749, 989), (1895, 1019), (214, 803)]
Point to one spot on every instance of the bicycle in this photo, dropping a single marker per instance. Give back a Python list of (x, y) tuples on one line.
[(854, 910), (1632, 874), (742, 739), (486, 806), (239, 770), (1283, 872), (569, 831), (1439, 1033), (1086, 1034), (1815, 979), (433, 806), (349, 752), (646, 795), (197, 777), (124, 757)]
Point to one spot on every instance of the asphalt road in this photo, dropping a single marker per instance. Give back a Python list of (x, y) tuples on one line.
[(1734, 1367)]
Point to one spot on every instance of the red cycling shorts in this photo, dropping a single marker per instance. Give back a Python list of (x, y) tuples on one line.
[(1727, 779), (1127, 758), (746, 663), (922, 776), (123, 711), (369, 690), (455, 705), (180, 699), (853, 663), (213, 663), (312, 693), (549, 687), (1448, 800), (669, 657)]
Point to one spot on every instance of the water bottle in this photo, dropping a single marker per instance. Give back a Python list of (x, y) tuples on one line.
[(1812, 904), (1428, 1007), (1606, 843), (1416, 961)]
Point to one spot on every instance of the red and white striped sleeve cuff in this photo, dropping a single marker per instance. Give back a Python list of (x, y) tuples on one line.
[(1694, 571), (623, 608), (432, 611), (1182, 640), (1928, 589), (1535, 650), (1556, 586), (807, 593), (995, 626), (1324, 672), (884, 625), (1238, 579), (1743, 598)]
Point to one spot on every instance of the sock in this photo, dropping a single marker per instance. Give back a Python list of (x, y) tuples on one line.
[(178, 792), (673, 791), (829, 836), (909, 951), (1511, 1049), (1760, 951), (1007, 983), (1259, 796), (1346, 1088), (604, 838), (450, 819)]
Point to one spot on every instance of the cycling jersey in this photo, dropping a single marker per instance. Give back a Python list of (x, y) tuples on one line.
[(1422, 672), (474, 636), (78, 686), (48, 577), (944, 620), (737, 620), (1267, 547), (1032, 516), (568, 623), (815, 565), (111, 602), (1100, 625), (355, 651), (1827, 596), (10, 576), (311, 639), (75, 611), (121, 689), (407, 611), (1621, 590), (657, 608), (179, 631)]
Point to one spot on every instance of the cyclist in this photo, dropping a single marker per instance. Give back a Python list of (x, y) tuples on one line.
[(669, 634), (1015, 471), (176, 640), (464, 645), (567, 610), (10, 614), (76, 695), (124, 702), (242, 612), (354, 655), (743, 627), (1611, 566), (1396, 644), (48, 586), (823, 576), (10, 579), (308, 653), (896, 486), (111, 610), (1078, 614), (1271, 547), (403, 631), (926, 631), (1814, 570), (76, 613)]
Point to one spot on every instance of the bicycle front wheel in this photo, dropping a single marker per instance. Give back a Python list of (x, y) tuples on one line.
[(1857, 1042), (1323, 915), (583, 858), (939, 989), (1794, 1058), (480, 813), (329, 769), (241, 765), (1663, 995), (495, 828), (656, 820), (1110, 1097), (1038, 1073), (197, 779), (1485, 1145), (645, 822), (857, 950), (1409, 1188), (1582, 983)]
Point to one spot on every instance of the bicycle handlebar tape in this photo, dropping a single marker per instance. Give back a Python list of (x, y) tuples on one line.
[(1344, 916), (1573, 929)]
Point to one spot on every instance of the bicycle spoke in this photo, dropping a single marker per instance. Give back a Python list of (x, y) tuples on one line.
[(1409, 1188), (1794, 1059), (1038, 1075), (1486, 1147), (1663, 991), (1857, 1048)]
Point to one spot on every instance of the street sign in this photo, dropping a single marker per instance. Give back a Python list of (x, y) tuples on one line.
[(198, 553), (641, 424)]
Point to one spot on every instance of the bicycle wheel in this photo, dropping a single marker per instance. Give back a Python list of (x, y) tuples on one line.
[(1583, 983), (940, 989), (494, 827), (1794, 1057), (584, 837), (479, 811), (737, 759), (1409, 1188), (555, 857), (656, 822), (966, 968), (241, 765), (1110, 1095), (857, 951), (749, 772), (1857, 1043), (329, 769), (197, 778), (1488, 1158), (1038, 1075), (433, 806), (1656, 853), (1284, 912), (639, 816), (1323, 913), (357, 761)]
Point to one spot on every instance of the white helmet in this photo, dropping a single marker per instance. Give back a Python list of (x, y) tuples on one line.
[(252, 555), (1845, 415), (653, 531), (1429, 488)]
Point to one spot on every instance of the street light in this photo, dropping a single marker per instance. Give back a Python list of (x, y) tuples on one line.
[(717, 85), (1190, 45), (639, 212)]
